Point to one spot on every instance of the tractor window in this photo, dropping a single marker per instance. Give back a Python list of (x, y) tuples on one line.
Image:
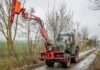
[(62, 38), (55, 47)]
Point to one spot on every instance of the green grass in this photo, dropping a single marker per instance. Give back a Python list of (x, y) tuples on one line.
[(19, 47), (21, 51)]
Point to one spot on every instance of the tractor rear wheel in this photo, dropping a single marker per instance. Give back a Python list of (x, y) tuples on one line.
[(75, 59), (49, 63), (76, 56)]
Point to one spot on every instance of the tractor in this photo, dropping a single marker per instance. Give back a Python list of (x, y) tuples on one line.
[(64, 52)]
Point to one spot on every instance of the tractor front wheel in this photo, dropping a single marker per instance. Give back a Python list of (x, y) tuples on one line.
[(67, 59), (49, 63), (67, 64)]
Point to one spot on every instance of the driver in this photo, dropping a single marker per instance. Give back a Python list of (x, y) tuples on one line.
[(67, 47)]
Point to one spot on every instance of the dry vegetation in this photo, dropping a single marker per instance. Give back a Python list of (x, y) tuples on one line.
[(96, 64)]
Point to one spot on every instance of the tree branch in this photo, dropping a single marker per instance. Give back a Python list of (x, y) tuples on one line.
[(3, 32), (15, 28)]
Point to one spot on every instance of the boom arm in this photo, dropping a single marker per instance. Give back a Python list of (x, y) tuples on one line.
[(39, 21), (16, 9)]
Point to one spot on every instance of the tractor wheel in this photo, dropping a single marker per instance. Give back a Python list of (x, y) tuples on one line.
[(68, 61), (76, 57), (67, 64), (49, 63)]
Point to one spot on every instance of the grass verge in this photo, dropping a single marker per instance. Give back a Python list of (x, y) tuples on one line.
[(96, 63)]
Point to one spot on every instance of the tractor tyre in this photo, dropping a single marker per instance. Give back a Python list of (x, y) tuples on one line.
[(49, 63), (67, 62), (76, 57)]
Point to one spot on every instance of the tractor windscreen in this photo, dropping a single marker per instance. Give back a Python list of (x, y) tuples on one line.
[(63, 37)]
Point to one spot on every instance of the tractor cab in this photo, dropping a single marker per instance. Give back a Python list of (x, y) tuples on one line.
[(66, 37), (68, 42), (61, 41)]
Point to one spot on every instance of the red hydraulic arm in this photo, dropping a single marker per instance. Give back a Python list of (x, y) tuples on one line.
[(18, 10)]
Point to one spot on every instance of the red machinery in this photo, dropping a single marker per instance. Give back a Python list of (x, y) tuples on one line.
[(17, 10), (57, 54)]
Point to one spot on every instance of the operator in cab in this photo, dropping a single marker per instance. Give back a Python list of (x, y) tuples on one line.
[(68, 47)]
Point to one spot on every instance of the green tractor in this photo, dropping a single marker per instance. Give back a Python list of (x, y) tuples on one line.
[(70, 47), (64, 51)]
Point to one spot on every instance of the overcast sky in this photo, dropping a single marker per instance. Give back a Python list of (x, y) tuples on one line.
[(80, 8)]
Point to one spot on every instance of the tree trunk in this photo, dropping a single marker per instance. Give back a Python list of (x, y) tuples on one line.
[(55, 37), (29, 42), (10, 51), (30, 48), (10, 47)]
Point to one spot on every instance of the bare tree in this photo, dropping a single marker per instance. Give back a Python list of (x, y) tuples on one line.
[(77, 31), (96, 4), (59, 21), (8, 30), (85, 33), (95, 41), (30, 30)]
